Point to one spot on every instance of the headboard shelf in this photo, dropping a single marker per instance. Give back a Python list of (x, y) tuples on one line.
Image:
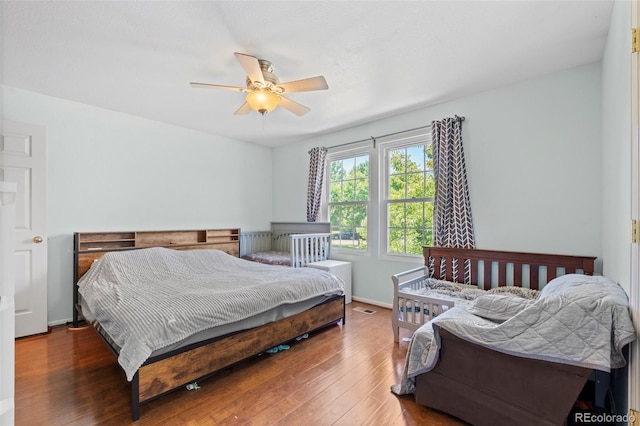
[(108, 241), (89, 246)]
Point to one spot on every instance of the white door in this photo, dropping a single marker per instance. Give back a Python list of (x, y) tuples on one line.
[(634, 296), (23, 161)]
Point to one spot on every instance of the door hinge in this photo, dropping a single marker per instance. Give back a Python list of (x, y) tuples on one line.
[(634, 40), (635, 232)]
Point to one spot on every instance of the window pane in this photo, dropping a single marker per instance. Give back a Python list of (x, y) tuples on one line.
[(348, 201), (397, 185), (336, 191), (416, 186), (348, 166), (337, 171), (362, 166), (362, 189), (415, 215), (396, 215), (415, 156), (396, 240), (396, 158), (415, 240), (411, 186), (349, 190), (335, 215)]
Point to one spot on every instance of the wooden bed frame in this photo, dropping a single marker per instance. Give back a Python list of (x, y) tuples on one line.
[(168, 372), (485, 387), (487, 268)]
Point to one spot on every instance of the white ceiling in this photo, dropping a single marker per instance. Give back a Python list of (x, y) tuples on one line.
[(379, 58)]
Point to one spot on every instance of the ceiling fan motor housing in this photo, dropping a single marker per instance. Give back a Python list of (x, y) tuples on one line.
[(270, 78)]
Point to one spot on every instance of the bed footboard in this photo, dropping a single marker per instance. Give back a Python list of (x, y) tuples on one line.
[(166, 373), (412, 310)]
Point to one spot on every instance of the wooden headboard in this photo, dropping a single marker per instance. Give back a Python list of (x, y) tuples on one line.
[(90, 246), (503, 267)]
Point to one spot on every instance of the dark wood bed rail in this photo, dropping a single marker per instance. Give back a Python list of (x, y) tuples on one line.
[(525, 267)]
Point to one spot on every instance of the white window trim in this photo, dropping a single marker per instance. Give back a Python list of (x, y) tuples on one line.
[(414, 138), (348, 152), (376, 208)]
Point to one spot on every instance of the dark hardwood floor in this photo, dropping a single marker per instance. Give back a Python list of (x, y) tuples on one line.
[(339, 376)]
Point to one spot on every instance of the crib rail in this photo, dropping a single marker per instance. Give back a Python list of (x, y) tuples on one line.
[(308, 248), (253, 242), (411, 311), (304, 248)]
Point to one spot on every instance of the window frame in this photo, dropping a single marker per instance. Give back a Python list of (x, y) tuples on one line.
[(351, 152), (416, 138)]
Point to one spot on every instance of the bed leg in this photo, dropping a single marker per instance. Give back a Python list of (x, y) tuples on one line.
[(344, 311), (602, 380), (135, 398)]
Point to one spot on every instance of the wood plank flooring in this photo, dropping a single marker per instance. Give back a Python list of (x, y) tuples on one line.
[(339, 376)]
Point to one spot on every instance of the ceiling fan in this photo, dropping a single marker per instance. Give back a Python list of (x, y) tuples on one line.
[(264, 91)]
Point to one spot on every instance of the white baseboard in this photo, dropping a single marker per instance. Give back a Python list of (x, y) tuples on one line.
[(372, 302), (58, 322)]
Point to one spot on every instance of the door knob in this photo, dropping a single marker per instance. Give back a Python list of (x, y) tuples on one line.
[(37, 239)]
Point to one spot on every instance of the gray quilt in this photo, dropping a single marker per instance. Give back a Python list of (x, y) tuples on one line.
[(148, 299), (577, 319)]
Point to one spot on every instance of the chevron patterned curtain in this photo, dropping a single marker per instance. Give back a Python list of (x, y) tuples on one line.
[(317, 160), (452, 222)]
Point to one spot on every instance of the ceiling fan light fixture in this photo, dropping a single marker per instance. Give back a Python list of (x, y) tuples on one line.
[(263, 101)]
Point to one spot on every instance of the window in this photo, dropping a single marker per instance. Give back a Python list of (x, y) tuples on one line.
[(349, 201), (380, 199), (409, 189)]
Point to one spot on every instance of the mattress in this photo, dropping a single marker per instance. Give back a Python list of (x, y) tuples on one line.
[(211, 333), (270, 258)]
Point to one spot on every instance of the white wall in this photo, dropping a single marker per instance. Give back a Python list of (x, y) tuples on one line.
[(533, 160), (533, 153), (616, 147), (616, 166), (112, 171)]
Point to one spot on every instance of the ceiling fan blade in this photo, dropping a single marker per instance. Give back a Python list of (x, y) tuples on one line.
[(216, 86), (292, 106), (244, 109), (305, 85), (251, 67)]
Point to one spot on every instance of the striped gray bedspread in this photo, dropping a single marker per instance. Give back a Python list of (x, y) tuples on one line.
[(151, 298)]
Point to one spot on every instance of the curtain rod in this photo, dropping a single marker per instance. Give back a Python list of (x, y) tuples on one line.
[(373, 138)]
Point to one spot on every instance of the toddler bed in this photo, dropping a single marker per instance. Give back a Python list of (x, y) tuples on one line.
[(160, 304), (500, 360), (292, 244), (457, 276)]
